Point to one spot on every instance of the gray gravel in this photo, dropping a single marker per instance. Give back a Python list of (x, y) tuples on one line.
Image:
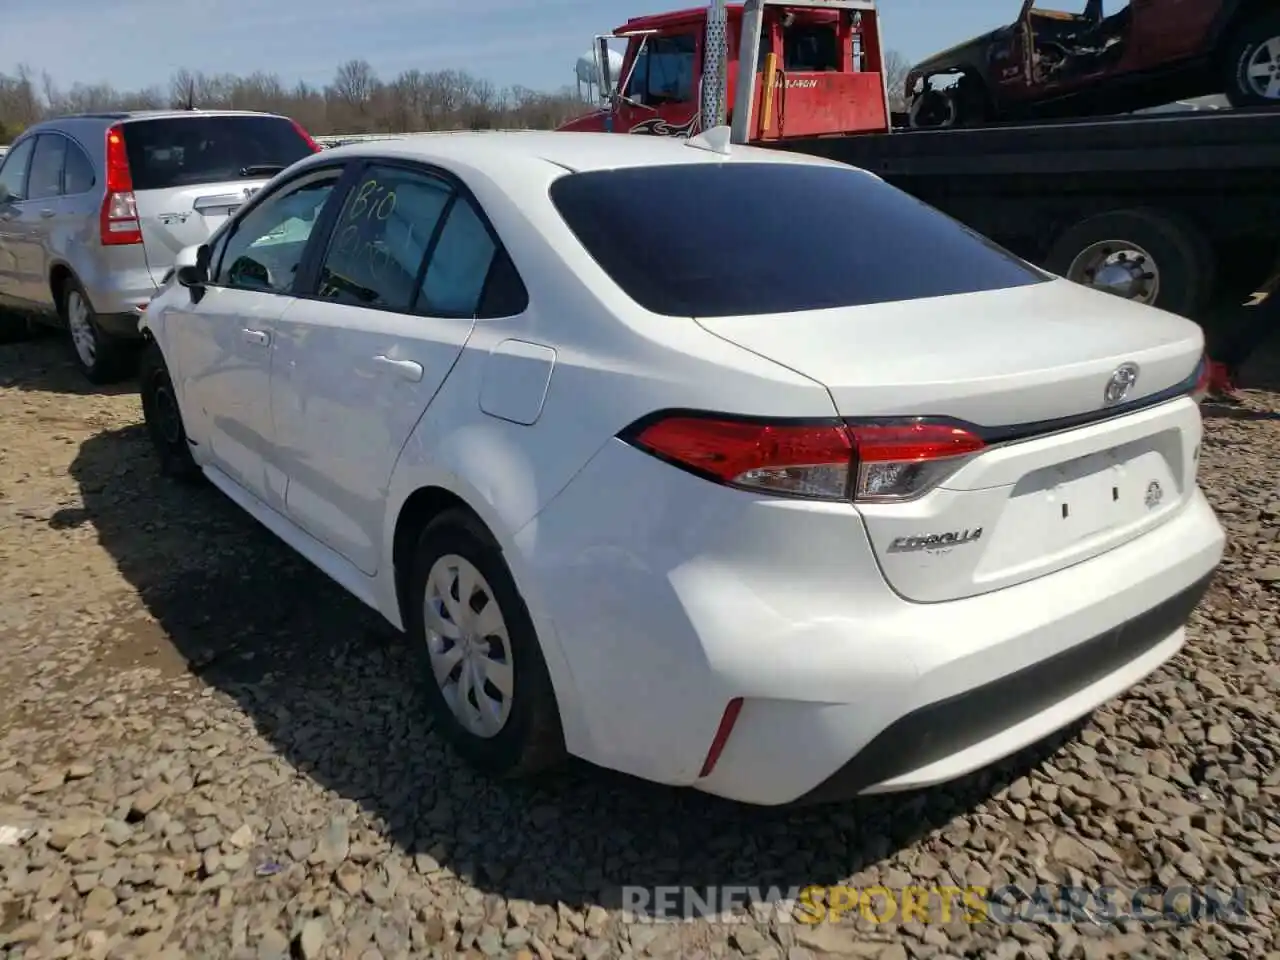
[(209, 751)]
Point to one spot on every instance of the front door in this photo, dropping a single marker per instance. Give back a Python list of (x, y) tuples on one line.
[(13, 177), (222, 345), (361, 356), (661, 93)]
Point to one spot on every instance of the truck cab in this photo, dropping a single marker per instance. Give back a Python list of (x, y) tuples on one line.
[(819, 70)]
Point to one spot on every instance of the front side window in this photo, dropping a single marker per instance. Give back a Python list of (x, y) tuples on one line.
[(45, 179), (733, 239), (13, 173), (264, 250), (381, 237)]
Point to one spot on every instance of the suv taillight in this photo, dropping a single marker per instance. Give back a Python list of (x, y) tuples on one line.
[(119, 217), (820, 459), (302, 132)]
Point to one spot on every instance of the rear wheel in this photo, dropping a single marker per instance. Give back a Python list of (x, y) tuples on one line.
[(480, 660), (1252, 63), (1147, 256), (101, 358)]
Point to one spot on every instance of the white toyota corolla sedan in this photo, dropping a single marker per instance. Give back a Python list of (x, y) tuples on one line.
[(740, 470)]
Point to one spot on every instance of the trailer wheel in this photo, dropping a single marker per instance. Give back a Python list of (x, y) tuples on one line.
[(1252, 63), (1147, 256)]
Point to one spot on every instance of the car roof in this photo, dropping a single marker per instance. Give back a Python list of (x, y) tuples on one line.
[(491, 150)]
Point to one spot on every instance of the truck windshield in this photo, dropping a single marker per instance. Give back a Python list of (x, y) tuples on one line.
[(738, 239)]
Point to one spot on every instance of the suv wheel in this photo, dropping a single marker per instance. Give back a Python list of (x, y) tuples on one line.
[(480, 659), (101, 358), (163, 417), (1253, 63)]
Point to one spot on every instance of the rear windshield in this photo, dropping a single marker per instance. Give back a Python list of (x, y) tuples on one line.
[(183, 151), (733, 239)]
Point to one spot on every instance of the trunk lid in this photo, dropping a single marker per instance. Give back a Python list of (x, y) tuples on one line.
[(190, 172), (1043, 496)]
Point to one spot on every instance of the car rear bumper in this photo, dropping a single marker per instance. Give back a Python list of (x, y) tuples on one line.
[(670, 597), (119, 287)]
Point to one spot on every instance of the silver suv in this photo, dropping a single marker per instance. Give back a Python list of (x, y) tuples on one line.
[(94, 207)]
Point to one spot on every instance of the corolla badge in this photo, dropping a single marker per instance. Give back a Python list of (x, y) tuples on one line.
[(1123, 379)]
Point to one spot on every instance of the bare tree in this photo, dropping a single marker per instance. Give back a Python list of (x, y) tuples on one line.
[(896, 68), (355, 102)]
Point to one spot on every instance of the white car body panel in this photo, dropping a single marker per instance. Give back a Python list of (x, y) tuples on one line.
[(659, 596)]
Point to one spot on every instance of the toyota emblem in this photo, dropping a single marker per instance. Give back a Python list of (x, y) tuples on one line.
[(1121, 383)]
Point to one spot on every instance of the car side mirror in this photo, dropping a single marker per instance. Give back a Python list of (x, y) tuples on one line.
[(191, 269), (5, 196)]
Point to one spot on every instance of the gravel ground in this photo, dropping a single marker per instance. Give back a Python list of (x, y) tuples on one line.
[(210, 751)]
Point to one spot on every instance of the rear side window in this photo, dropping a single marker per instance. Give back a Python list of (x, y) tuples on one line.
[(78, 176), (381, 237), (189, 150), (45, 179), (731, 239), (459, 265)]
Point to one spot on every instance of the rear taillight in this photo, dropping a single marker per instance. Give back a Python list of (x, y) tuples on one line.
[(119, 216), (899, 461), (823, 459), (315, 147)]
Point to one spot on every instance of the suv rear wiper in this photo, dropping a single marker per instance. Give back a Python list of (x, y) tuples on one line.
[(262, 169)]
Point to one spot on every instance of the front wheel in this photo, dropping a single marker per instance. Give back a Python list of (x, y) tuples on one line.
[(1253, 63), (162, 416), (480, 661)]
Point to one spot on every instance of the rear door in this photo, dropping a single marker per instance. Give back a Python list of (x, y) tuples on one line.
[(191, 172), (410, 265)]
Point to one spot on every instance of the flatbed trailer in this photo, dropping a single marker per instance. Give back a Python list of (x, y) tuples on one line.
[(1205, 187), (1178, 210)]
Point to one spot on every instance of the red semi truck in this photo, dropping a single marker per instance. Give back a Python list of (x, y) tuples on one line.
[(1181, 211)]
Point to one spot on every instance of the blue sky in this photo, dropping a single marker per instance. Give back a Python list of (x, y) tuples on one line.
[(135, 43)]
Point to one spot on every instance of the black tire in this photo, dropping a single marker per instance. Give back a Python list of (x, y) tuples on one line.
[(1239, 55), (530, 740), (1183, 256), (109, 359), (163, 417)]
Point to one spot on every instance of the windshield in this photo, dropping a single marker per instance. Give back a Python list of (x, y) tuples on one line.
[(196, 149), (735, 239)]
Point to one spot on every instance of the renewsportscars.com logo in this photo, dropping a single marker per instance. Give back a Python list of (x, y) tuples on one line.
[(1041, 903)]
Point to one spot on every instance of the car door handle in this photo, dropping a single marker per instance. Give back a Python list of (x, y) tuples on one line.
[(46, 214), (259, 338), (408, 369)]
